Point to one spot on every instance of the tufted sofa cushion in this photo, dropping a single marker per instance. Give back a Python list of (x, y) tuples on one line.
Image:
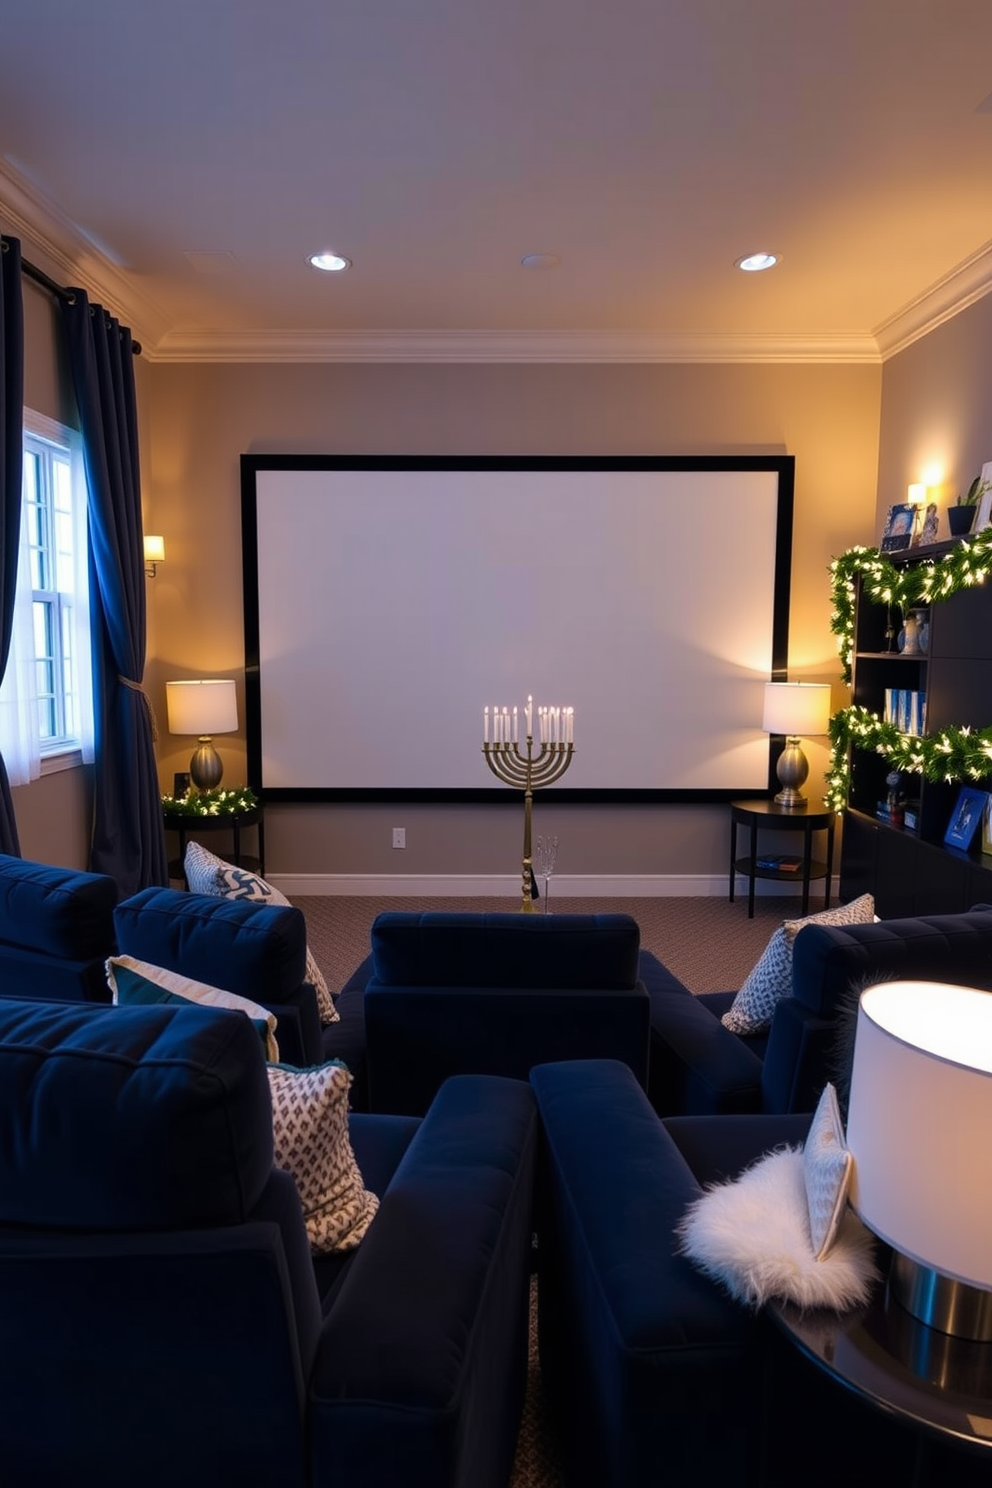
[(828, 960), (436, 949), (123, 1119), (61, 911), (256, 950)]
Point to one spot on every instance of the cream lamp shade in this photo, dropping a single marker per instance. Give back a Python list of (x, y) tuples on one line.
[(154, 549), (919, 1118), (795, 709), (203, 708)]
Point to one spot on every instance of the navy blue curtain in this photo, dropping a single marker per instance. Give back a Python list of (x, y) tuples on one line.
[(128, 835), (11, 457)]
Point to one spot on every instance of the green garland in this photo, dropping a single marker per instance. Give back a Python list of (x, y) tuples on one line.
[(953, 754), (211, 802), (922, 583)]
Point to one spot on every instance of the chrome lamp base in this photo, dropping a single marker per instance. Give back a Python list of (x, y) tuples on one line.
[(792, 769), (941, 1302), (206, 767)]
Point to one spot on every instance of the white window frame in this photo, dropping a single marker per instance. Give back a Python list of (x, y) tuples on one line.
[(26, 754)]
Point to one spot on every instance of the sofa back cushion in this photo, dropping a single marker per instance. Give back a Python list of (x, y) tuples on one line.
[(828, 960), (435, 949), (128, 1119), (256, 950), (61, 911)]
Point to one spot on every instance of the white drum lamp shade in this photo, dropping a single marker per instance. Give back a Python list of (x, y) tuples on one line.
[(797, 710), (919, 1118), (203, 708)]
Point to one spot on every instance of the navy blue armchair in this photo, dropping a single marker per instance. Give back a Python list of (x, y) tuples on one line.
[(162, 1320), (496, 994), (56, 931), (700, 1067)]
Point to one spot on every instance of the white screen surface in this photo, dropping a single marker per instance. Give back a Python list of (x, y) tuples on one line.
[(390, 605)]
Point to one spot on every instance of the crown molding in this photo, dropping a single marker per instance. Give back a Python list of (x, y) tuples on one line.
[(69, 255), (506, 346), (44, 230), (970, 281)]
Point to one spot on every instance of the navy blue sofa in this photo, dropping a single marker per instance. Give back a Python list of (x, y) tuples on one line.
[(56, 930), (497, 993), (699, 1067), (161, 1319)]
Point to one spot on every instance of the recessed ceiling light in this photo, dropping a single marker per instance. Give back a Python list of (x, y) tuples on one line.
[(753, 263), (540, 261), (331, 263)]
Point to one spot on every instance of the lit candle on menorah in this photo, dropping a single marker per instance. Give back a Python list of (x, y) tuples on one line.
[(521, 767)]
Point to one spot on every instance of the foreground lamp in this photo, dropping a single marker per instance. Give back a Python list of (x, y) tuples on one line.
[(919, 1117), (154, 547), (795, 709), (203, 708)]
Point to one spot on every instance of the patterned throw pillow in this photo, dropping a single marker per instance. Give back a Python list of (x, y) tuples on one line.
[(827, 1168), (310, 1126), (771, 979), (133, 981), (208, 874)]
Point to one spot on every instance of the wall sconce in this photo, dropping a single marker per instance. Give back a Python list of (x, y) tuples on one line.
[(204, 709), (154, 554), (792, 709)]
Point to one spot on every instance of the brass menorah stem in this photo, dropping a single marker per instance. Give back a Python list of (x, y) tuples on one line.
[(527, 771)]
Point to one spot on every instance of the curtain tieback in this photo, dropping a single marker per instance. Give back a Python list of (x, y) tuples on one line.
[(137, 687)]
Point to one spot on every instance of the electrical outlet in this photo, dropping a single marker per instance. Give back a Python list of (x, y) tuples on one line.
[(399, 836)]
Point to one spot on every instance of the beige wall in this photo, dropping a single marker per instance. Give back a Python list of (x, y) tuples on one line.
[(200, 418), (935, 410)]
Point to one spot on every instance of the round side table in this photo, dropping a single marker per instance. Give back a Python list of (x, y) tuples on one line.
[(230, 821), (762, 815)]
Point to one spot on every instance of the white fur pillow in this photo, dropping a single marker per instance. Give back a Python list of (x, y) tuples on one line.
[(753, 1236), (771, 979)]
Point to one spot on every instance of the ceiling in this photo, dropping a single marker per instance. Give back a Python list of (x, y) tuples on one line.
[(182, 160)]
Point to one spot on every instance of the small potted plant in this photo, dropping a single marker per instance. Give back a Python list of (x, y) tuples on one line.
[(961, 515)]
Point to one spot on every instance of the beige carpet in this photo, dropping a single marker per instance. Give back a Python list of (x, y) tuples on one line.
[(709, 944)]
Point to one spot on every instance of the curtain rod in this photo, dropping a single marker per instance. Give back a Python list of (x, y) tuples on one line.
[(59, 292)]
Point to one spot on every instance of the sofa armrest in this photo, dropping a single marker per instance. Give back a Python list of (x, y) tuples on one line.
[(416, 1037), (422, 1361), (697, 1065), (645, 1360)]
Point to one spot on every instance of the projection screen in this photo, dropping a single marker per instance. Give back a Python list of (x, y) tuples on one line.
[(389, 601)]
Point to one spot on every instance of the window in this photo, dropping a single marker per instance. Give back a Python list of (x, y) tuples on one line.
[(47, 514), (45, 698)]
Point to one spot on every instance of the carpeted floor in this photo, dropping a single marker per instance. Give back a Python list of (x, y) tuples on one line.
[(708, 943)]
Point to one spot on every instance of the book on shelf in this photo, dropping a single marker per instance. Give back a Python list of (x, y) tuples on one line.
[(906, 708), (780, 862)]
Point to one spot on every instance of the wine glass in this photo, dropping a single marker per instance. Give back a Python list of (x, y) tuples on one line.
[(544, 862)]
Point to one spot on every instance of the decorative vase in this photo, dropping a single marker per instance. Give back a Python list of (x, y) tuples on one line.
[(922, 628), (909, 636), (959, 519)]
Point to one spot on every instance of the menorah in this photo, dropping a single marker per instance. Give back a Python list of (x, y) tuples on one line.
[(525, 769)]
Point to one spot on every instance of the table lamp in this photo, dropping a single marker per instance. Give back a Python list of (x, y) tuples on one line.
[(919, 1117), (203, 708), (795, 709)]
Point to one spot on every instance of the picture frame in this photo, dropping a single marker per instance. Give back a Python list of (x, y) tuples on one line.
[(926, 530), (968, 814), (900, 527), (983, 516)]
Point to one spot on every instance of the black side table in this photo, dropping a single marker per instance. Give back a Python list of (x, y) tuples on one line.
[(936, 1387), (231, 821), (768, 816)]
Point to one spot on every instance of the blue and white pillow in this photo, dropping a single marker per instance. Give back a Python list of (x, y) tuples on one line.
[(208, 874)]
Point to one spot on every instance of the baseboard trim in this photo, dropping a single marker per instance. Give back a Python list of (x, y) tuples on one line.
[(563, 885)]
